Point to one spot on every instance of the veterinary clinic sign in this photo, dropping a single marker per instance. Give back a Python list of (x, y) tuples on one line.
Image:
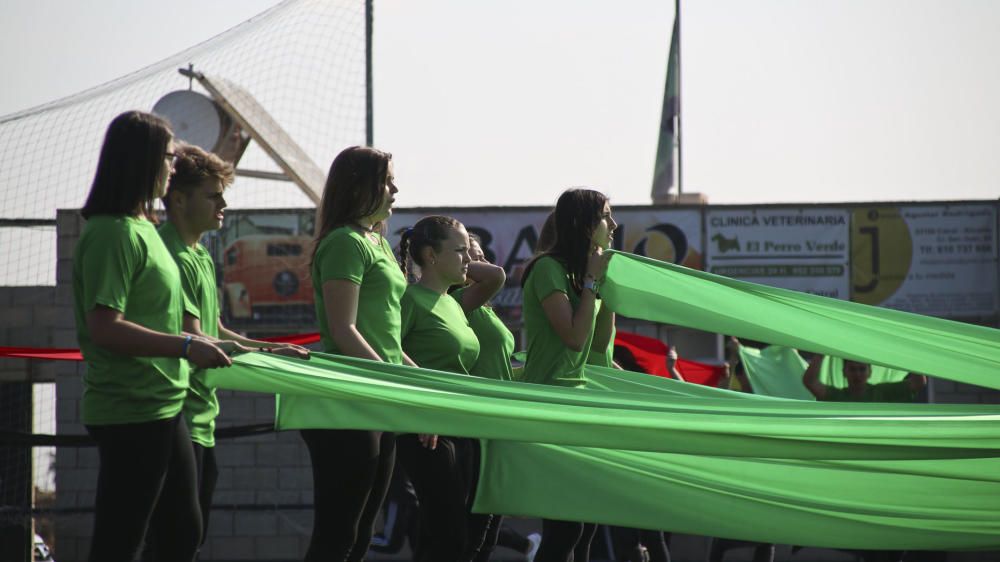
[(801, 249), (939, 260)]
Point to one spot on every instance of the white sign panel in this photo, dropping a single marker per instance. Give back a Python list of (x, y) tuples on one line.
[(801, 249), (935, 260)]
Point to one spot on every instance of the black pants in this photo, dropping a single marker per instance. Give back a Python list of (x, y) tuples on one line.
[(627, 544), (146, 481), (565, 541), (491, 538), (762, 552), (351, 474), (444, 478), (208, 475)]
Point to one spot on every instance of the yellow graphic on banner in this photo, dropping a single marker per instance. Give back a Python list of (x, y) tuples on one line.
[(665, 242), (881, 253)]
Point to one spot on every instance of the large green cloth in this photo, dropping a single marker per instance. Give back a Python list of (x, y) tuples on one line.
[(647, 289), (656, 453)]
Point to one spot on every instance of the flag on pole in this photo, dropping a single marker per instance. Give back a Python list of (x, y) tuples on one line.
[(663, 171)]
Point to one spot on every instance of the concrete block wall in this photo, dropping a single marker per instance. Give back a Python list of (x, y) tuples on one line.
[(27, 319)]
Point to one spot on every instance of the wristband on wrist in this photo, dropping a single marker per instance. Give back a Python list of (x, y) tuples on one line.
[(590, 283), (186, 347)]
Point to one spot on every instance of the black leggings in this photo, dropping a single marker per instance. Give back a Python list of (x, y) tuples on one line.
[(146, 481), (443, 479), (627, 542), (208, 475), (351, 474), (565, 541)]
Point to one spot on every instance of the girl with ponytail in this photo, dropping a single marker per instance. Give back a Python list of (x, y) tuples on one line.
[(437, 335)]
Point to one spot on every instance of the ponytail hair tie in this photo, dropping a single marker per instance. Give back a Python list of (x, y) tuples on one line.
[(408, 231)]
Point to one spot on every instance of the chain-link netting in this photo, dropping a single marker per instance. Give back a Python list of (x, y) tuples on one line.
[(301, 68), (303, 61)]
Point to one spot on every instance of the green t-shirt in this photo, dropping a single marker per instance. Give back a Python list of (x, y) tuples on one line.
[(549, 360), (121, 263), (201, 300), (496, 343), (436, 333), (605, 357), (884, 392), (348, 255)]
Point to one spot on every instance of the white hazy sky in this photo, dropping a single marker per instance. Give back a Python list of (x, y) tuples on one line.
[(509, 102)]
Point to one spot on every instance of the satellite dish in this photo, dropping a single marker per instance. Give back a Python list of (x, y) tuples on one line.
[(195, 118)]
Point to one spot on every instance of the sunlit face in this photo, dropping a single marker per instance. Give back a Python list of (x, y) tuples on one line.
[(605, 229), (160, 189), (857, 374), (203, 206), (389, 192), (476, 251), (451, 263)]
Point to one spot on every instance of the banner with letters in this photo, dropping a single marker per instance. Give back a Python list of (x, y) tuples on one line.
[(939, 260), (510, 236), (804, 249)]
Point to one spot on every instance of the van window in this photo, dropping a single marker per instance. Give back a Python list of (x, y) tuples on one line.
[(284, 249)]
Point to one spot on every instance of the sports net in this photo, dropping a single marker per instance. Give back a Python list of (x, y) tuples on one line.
[(303, 63)]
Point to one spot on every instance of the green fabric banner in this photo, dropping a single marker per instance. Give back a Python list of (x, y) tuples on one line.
[(647, 289), (777, 371), (650, 452)]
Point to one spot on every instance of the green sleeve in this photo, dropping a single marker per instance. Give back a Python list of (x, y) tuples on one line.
[(407, 314), (343, 257), (107, 274), (190, 289), (548, 276)]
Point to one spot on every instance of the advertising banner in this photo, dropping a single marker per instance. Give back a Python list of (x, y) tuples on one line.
[(803, 249), (510, 237), (939, 260)]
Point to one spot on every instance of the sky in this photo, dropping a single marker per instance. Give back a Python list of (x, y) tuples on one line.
[(508, 103)]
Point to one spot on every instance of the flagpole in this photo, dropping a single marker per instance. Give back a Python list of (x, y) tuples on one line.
[(680, 129)]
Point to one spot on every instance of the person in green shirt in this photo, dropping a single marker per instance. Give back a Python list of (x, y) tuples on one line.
[(128, 307), (195, 204), (858, 389), (560, 317), (437, 335), (357, 286), (496, 342)]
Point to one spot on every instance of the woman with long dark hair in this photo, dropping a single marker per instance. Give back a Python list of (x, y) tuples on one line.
[(129, 313), (437, 335), (358, 286), (560, 313)]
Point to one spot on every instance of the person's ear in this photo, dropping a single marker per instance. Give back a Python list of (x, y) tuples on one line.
[(428, 255)]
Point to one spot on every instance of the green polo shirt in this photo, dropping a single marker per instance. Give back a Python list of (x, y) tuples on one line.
[(549, 361), (436, 333), (201, 300), (367, 261), (121, 263), (496, 343), (884, 392)]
